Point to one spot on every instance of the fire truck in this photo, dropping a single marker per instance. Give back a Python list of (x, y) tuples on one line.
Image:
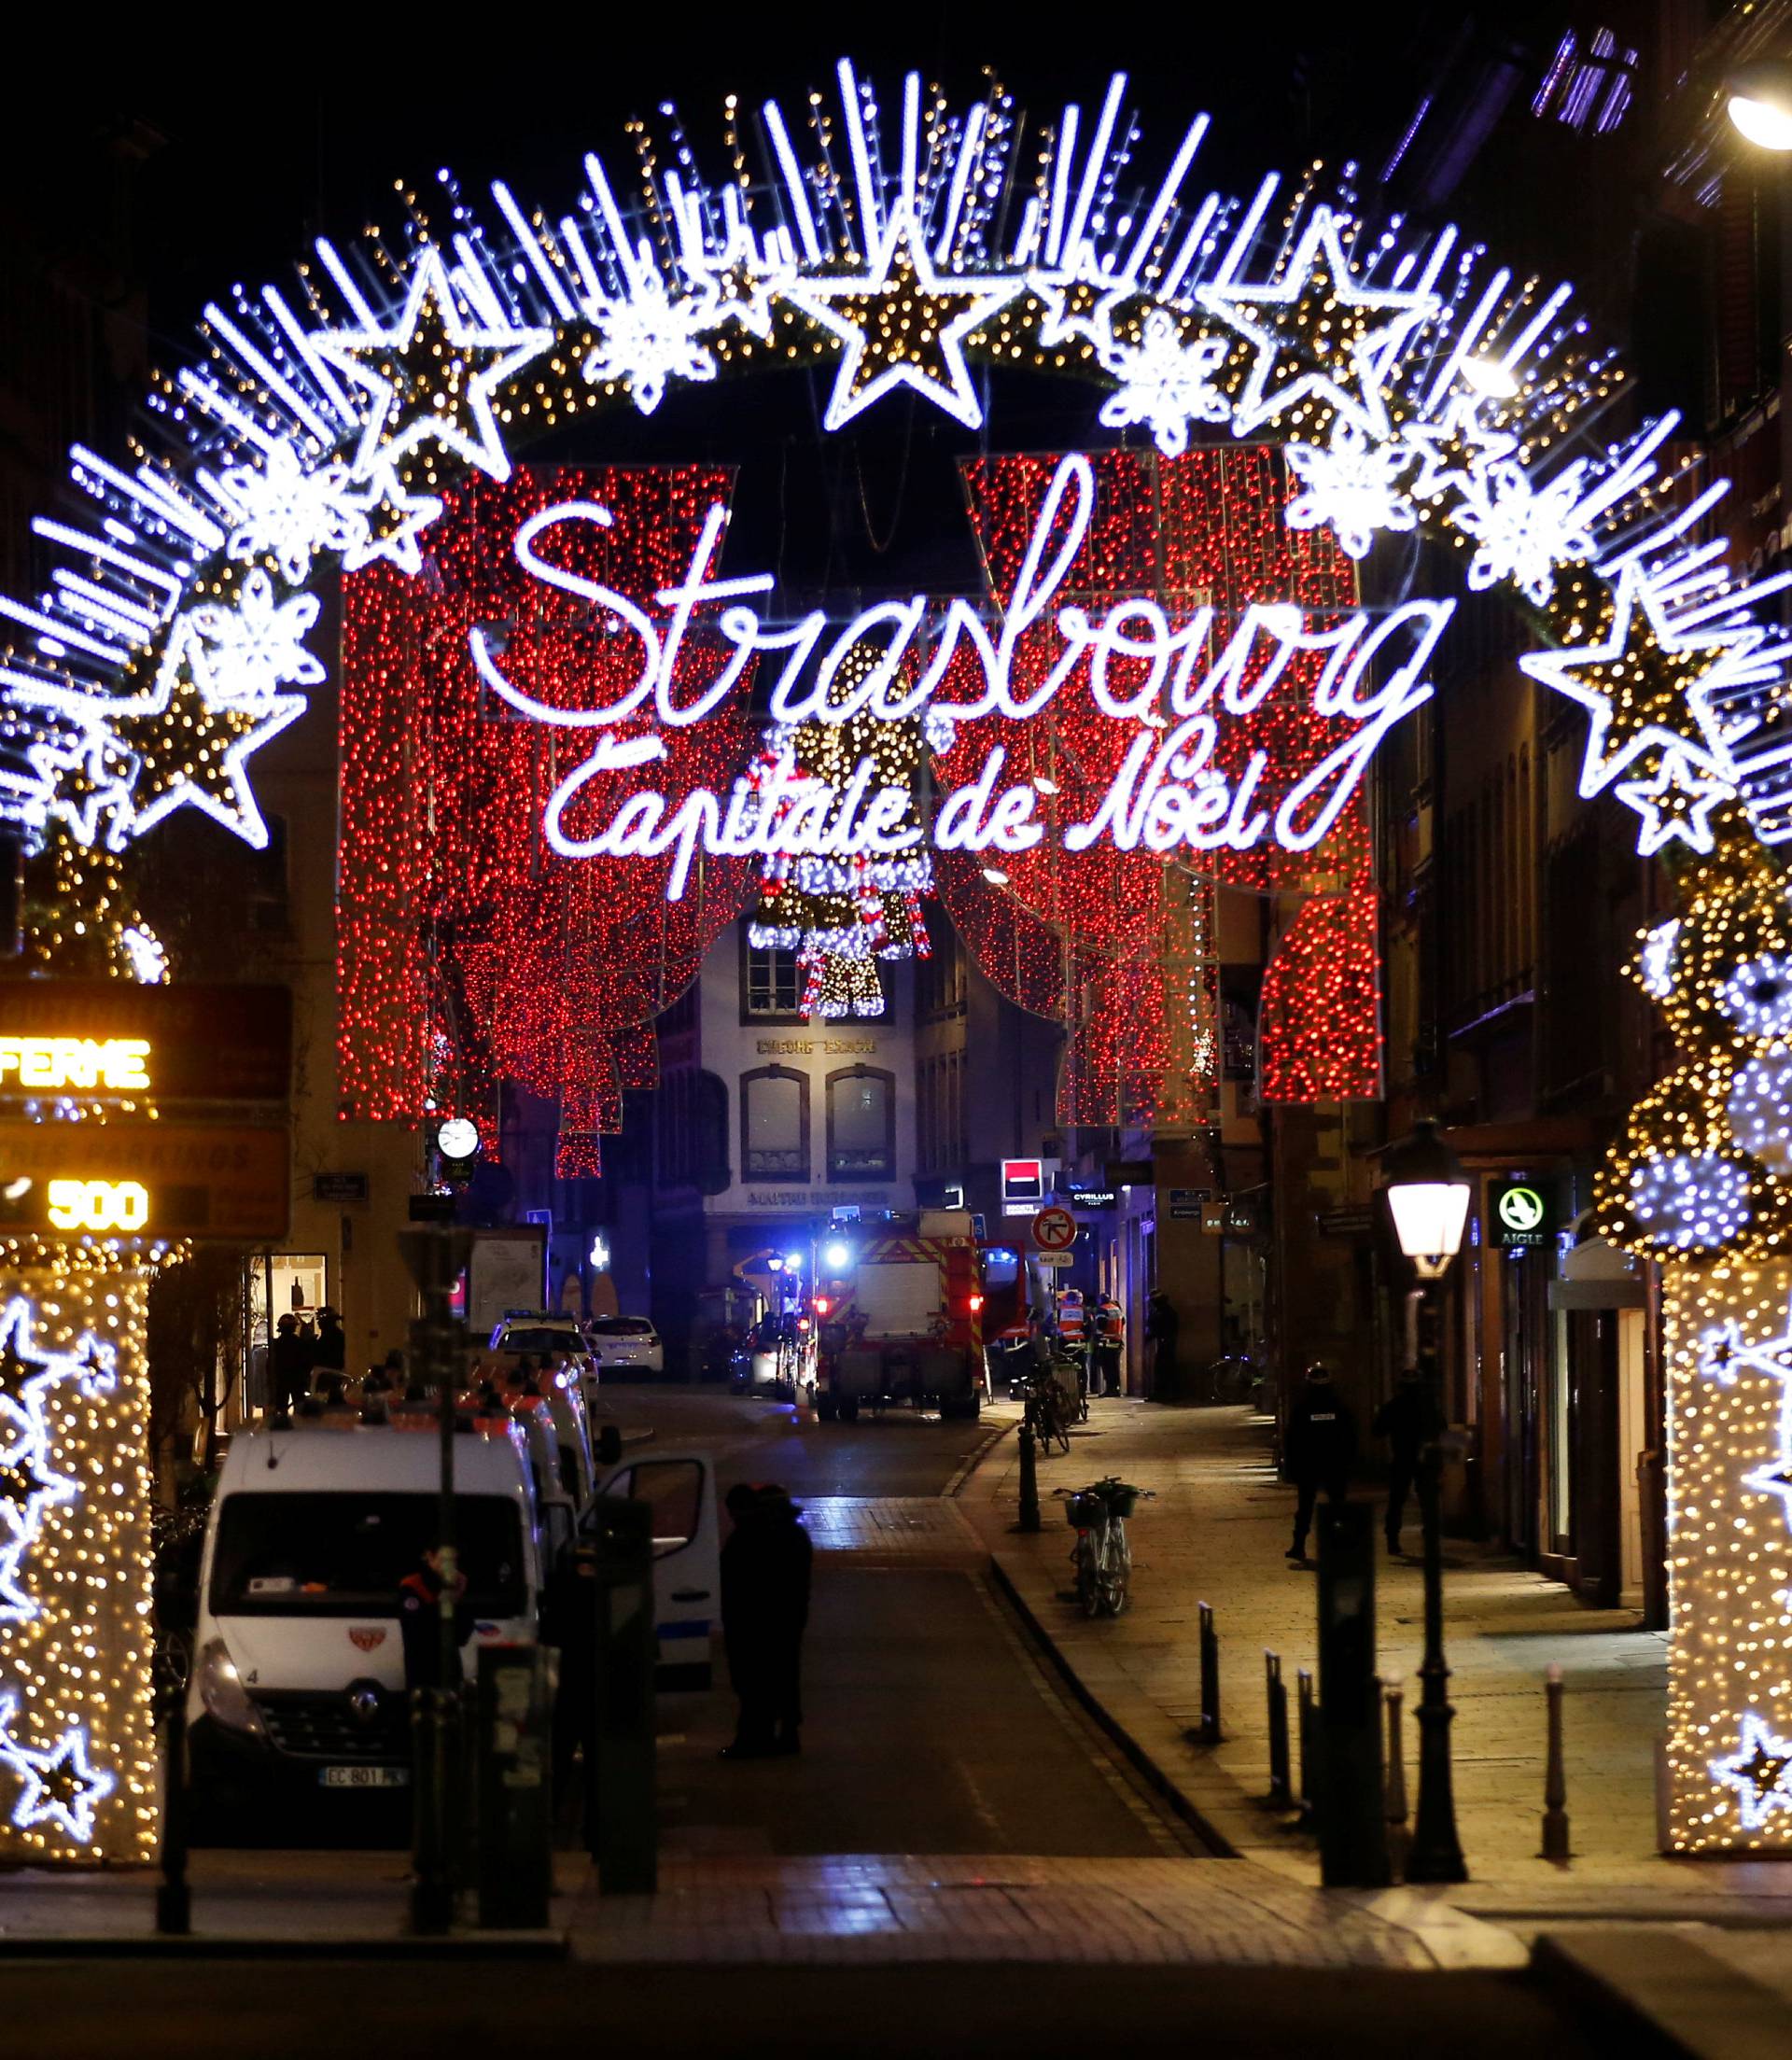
[(898, 1308)]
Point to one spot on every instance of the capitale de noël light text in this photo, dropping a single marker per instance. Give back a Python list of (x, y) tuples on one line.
[(1174, 685)]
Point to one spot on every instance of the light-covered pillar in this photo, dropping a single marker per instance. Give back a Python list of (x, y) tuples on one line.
[(1729, 1336), (79, 1773)]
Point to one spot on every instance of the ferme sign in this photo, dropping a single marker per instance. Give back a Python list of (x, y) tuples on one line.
[(152, 1052), (179, 1043)]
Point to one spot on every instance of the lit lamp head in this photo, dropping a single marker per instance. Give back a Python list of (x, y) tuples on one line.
[(838, 1256), (1427, 1193), (1759, 103)]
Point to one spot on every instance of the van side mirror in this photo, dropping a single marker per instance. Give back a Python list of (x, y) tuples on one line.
[(609, 1444)]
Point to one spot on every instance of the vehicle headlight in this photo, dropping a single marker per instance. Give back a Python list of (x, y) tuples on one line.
[(221, 1691)]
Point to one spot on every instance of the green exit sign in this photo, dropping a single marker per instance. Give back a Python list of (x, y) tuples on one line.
[(1520, 1214)]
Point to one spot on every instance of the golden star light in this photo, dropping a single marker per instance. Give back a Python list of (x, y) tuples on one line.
[(902, 325)]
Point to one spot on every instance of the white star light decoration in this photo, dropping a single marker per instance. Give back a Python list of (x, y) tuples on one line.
[(1164, 383), (1439, 443), (1352, 484), (220, 790), (31, 1484), (1721, 1353), (392, 520), (1251, 311), (57, 1784), (903, 266), (1759, 1773), (738, 283), (1633, 613), (1677, 801), (489, 355)]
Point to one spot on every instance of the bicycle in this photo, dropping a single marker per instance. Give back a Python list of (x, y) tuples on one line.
[(1044, 1412), (1101, 1556)]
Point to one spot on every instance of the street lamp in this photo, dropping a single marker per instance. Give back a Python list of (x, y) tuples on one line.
[(1428, 1193), (1760, 103)]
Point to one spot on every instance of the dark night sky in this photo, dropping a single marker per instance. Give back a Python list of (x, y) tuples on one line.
[(286, 141), (253, 158)]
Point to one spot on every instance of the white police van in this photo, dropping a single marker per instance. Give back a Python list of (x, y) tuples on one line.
[(298, 1681)]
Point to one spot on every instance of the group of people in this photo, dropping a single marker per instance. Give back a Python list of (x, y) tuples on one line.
[(1319, 1448), (300, 1351)]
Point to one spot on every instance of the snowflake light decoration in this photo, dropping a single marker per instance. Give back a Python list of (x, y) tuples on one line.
[(1165, 384), (291, 513), (258, 645), (1352, 485), (647, 337), (1522, 532)]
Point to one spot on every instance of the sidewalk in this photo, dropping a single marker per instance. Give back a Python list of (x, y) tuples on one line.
[(1217, 1534)]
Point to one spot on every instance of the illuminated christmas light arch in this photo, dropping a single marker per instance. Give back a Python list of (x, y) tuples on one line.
[(1415, 385)]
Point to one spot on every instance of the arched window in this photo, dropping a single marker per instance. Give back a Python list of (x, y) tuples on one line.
[(774, 1124), (861, 1124)]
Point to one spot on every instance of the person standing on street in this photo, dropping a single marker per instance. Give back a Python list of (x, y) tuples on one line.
[(289, 1367), (420, 1623), (765, 1572), (1162, 1324), (1321, 1447), (1404, 1421), (1110, 1346)]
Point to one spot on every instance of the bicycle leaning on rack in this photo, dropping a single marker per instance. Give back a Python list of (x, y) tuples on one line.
[(1044, 1413), (1101, 1556)]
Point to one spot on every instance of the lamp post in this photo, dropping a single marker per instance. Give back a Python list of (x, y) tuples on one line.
[(1427, 1195), (1759, 103)]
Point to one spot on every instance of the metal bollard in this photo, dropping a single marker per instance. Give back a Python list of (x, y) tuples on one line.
[(1028, 1481), (1555, 1780), (1303, 1714), (1209, 1732), (1395, 1788), (173, 1899), (1281, 1789)]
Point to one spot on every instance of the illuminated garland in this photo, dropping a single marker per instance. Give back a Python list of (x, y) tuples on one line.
[(466, 953), (1702, 1167), (842, 916)]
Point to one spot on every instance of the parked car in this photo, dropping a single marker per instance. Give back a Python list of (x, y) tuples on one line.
[(776, 1357), (625, 1345)]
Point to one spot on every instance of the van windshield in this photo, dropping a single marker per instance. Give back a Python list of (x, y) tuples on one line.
[(345, 1554)]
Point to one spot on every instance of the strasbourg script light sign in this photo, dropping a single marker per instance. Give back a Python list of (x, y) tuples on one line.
[(1167, 687)]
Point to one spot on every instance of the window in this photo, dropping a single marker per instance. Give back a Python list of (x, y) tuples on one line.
[(861, 1124), (673, 1490), (774, 1124), (771, 983), (343, 1554)]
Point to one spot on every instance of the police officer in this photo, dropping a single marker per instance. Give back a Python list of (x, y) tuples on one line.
[(1321, 1446)]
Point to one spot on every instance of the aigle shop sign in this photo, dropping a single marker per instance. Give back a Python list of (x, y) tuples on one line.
[(1168, 689)]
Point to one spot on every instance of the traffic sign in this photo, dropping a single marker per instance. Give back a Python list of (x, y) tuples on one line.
[(167, 1180), (1054, 1230), (1056, 1258)]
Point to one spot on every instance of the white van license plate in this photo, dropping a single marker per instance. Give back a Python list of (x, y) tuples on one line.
[(364, 1777)]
